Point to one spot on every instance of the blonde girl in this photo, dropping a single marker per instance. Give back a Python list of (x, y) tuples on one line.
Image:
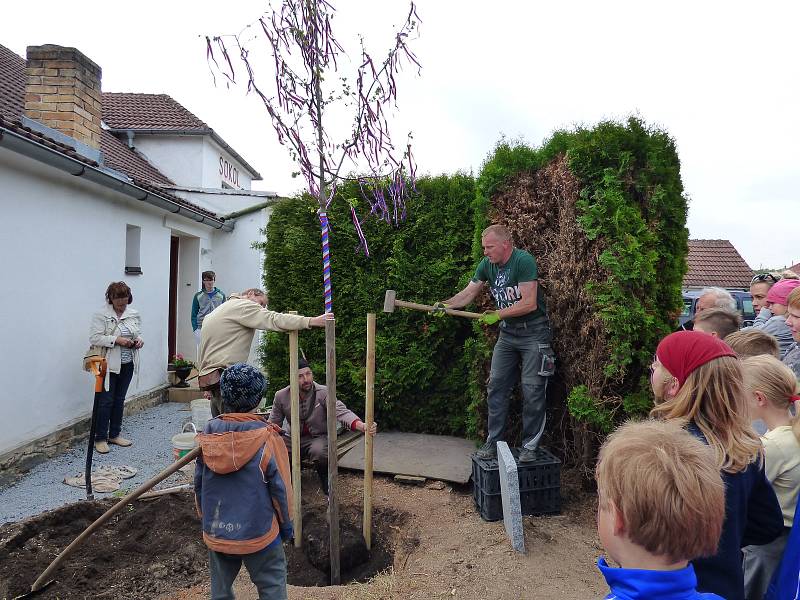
[(770, 387)]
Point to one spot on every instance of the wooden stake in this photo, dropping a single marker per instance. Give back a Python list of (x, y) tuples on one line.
[(333, 464), (294, 395), (368, 439)]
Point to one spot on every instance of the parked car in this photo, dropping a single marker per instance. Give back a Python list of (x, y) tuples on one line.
[(744, 304)]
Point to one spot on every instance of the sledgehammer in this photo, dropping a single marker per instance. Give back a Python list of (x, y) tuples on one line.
[(391, 301)]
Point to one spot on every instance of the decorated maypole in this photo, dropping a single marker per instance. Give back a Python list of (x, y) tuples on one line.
[(305, 55)]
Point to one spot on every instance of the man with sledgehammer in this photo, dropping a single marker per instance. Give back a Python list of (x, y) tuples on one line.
[(523, 346)]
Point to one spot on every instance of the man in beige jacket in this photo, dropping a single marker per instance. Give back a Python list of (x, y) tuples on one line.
[(227, 335)]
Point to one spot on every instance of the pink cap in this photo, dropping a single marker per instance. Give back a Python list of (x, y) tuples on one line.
[(779, 292)]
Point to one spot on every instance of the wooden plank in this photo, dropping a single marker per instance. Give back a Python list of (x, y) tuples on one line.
[(368, 439), (346, 441), (333, 461), (294, 395), (433, 456)]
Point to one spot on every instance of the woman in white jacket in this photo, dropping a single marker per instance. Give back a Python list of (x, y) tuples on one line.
[(116, 328)]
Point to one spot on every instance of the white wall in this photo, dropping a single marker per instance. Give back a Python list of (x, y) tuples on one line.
[(211, 176), (179, 157), (239, 266), (62, 240)]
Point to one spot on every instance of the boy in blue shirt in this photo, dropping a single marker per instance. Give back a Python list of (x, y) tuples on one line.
[(205, 301), (661, 503)]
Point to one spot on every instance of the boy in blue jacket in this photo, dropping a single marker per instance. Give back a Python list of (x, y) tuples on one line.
[(243, 490), (661, 503)]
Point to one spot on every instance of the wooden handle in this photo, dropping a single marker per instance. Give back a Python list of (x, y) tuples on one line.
[(38, 584), (427, 308)]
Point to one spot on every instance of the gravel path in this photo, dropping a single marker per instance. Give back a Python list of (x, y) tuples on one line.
[(151, 431)]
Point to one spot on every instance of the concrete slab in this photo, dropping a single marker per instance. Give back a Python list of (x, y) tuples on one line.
[(509, 488), (431, 456)]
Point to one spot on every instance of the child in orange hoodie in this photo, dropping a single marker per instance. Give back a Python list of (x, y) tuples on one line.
[(243, 490)]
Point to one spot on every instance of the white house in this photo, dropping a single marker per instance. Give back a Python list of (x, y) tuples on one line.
[(99, 187)]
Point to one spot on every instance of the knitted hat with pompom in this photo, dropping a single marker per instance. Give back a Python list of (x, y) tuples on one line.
[(241, 386)]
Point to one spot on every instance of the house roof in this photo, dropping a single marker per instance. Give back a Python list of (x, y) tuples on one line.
[(148, 111), (12, 83), (119, 157), (116, 154), (34, 136), (160, 114), (716, 263)]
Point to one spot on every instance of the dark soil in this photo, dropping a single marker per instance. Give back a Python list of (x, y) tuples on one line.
[(310, 565), (147, 549), (153, 548)]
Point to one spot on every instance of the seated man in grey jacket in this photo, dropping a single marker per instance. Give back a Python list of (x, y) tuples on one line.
[(313, 420)]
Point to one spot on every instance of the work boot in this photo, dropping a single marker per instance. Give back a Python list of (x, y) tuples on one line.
[(527, 455), (488, 451), (102, 447), (120, 441)]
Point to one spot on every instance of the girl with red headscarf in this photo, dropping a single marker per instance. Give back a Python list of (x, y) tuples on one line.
[(697, 380)]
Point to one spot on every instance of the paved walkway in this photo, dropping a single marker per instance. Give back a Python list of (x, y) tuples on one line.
[(151, 431)]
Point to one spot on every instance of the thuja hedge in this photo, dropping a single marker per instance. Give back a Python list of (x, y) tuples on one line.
[(603, 211), (421, 366)]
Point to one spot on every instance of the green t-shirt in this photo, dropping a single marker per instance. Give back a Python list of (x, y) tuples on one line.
[(504, 282)]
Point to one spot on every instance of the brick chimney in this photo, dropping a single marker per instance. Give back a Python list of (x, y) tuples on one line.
[(62, 91)]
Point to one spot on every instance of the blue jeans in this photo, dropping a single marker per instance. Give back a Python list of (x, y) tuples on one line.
[(267, 569), (112, 404), (519, 351)]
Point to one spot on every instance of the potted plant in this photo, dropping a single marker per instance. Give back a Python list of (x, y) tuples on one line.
[(182, 369)]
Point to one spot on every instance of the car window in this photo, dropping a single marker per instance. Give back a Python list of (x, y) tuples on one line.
[(747, 306), (687, 307)]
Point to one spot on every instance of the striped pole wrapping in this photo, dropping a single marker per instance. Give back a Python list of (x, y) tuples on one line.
[(326, 261)]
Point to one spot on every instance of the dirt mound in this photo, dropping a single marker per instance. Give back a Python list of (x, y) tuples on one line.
[(152, 548), (147, 549)]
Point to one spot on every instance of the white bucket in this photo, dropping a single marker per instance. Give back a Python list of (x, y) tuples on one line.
[(183, 442), (201, 413)]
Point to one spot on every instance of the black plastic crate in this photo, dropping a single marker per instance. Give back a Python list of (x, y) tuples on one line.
[(539, 485)]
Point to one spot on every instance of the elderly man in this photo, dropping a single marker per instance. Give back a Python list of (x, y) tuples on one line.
[(712, 297), (314, 419), (227, 336), (523, 345)]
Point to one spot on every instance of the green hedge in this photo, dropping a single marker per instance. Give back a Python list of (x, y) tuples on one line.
[(420, 383), (632, 212), (628, 213)]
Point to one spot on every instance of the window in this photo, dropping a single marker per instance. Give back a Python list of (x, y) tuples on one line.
[(133, 239)]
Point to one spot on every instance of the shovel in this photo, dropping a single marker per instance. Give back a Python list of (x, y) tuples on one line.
[(97, 365)]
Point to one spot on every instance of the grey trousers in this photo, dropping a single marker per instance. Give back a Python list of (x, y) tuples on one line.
[(267, 569), (759, 563), (517, 356)]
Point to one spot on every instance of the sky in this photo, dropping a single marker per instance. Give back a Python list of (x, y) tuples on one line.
[(722, 78)]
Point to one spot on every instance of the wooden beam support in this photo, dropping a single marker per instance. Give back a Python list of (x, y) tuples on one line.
[(333, 460), (369, 417)]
